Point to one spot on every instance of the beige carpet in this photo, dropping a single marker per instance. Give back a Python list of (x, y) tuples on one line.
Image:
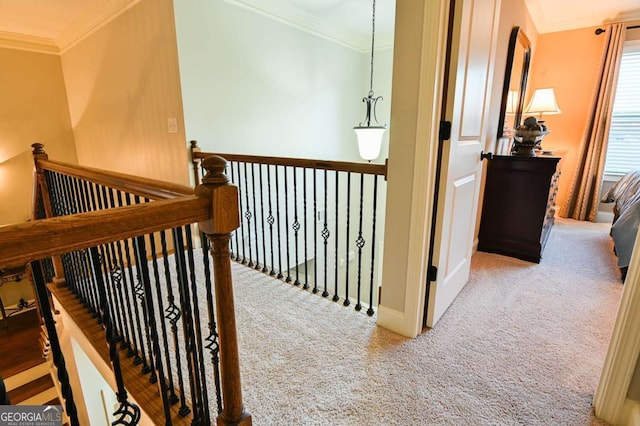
[(522, 344)]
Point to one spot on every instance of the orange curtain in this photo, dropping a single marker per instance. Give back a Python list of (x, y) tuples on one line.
[(584, 197)]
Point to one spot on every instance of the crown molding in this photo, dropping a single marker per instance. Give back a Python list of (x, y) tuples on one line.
[(29, 43), (92, 22), (287, 14), (593, 21), (545, 24)]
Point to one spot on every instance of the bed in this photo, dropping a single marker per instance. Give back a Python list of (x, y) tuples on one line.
[(626, 195)]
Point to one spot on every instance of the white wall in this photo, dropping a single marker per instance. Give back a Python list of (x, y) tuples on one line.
[(254, 85)]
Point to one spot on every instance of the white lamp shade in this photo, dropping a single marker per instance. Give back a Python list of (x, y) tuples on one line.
[(543, 101), (512, 102), (369, 141)]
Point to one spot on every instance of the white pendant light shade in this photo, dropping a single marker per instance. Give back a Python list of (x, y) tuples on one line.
[(369, 141)]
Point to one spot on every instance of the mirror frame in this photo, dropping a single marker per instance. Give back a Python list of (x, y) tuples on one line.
[(517, 36)]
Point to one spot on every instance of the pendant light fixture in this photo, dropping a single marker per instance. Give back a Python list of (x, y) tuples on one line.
[(370, 137)]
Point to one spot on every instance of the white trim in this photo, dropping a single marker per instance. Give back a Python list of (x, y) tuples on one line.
[(433, 57), (570, 22), (84, 28), (72, 35), (395, 321), (297, 18), (28, 43), (624, 348)]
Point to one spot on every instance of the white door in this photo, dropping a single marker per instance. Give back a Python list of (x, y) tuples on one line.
[(474, 34)]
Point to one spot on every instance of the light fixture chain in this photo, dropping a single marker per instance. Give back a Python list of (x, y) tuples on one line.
[(373, 37)]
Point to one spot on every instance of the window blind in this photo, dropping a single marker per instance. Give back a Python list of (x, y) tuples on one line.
[(623, 149)]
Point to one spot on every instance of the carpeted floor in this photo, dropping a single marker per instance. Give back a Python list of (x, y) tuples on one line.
[(522, 344)]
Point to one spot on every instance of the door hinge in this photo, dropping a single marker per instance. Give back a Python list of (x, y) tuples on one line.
[(432, 273), (445, 131)]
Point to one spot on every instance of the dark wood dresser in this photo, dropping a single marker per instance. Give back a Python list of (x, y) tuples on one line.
[(519, 205)]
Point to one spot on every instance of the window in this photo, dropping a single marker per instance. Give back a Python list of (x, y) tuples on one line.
[(623, 150)]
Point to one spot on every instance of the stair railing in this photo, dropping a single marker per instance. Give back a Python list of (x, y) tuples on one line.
[(311, 223), (121, 245)]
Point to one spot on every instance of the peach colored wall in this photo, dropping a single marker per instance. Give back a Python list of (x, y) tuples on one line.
[(33, 107), (569, 62), (123, 84)]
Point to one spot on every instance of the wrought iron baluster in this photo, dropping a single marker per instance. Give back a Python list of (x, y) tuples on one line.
[(315, 233), (201, 382), (58, 358), (74, 273), (173, 398), (244, 257), (102, 203), (76, 257), (142, 267), (93, 290), (304, 212), (264, 243), (187, 322), (370, 311), (336, 297), (286, 222), (255, 212), (347, 302), (234, 248), (247, 215), (173, 314), (213, 343), (296, 224), (325, 236), (127, 413), (278, 225), (360, 243), (143, 296), (136, 295), (270, 220), (117, 290), (125, 286), (101, 194)]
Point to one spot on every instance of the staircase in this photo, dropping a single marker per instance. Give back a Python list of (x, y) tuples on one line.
[(32, 387), (23, 366)]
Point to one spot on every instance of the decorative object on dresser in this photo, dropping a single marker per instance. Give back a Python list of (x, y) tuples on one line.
[(519, 205), (528, 136)]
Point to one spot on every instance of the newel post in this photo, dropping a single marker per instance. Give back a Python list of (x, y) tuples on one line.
[(225, 219)]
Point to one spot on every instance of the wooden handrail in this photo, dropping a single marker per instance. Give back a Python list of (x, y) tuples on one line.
[(29, 241), (144, 187), (213, 205), (339, 166)]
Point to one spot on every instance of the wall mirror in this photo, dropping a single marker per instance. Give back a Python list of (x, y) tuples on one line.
[(515, 82)]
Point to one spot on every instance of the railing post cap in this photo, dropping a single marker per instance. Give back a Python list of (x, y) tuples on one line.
[(214, 165), (38, 148)]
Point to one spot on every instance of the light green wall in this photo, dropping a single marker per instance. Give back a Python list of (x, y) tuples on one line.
[(254, 85)]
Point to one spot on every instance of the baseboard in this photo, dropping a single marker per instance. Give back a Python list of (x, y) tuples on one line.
[(395, 321)]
